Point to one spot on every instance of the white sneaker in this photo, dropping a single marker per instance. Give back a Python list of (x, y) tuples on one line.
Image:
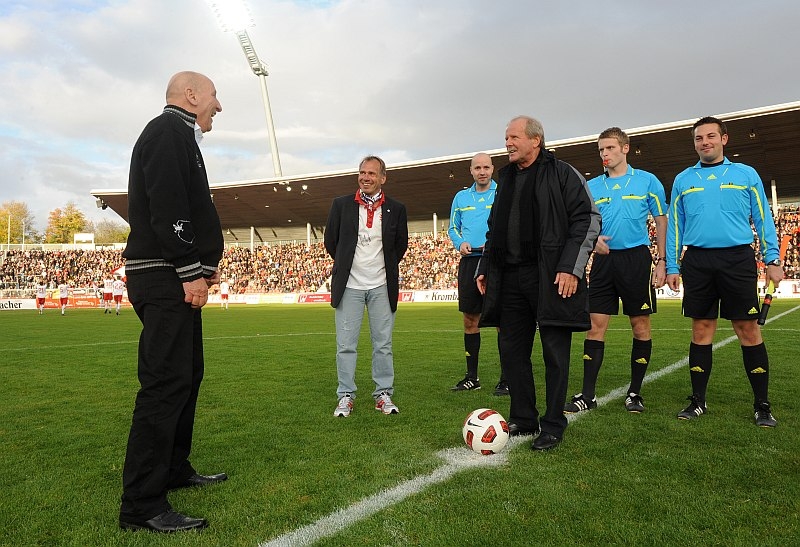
[(344, 407), (384, 404)]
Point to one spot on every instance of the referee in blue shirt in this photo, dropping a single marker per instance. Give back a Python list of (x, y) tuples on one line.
[(469, 216), (709, 244), (622, 268)]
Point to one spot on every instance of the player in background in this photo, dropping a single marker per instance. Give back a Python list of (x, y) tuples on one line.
[(469, 215), (63, 296), (108, 293), (224, 291), (41, 295), (713, 204), (118, 288), (622, 268)]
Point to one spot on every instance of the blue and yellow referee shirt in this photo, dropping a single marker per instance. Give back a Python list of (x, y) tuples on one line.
[(624, 203), (711, 207), (469, 216)]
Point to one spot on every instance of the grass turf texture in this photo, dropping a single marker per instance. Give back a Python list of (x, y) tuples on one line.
[(67, 386)]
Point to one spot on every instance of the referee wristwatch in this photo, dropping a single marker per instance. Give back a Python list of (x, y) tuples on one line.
[(775, 262)]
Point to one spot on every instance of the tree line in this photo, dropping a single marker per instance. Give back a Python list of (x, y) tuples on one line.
[(62, 224)]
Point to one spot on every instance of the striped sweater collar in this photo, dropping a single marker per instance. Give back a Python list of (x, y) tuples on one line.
[(187, 117)]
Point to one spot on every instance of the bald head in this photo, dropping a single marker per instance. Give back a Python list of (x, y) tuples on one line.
[(195, 93), (481, 169), (180, 83)]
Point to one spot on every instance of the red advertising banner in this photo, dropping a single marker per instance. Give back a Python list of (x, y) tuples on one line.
[(314, 298)]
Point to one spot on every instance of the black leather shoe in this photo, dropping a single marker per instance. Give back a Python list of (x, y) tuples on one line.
[(168, 521), (514, 430), (545, 441), (200, 480)]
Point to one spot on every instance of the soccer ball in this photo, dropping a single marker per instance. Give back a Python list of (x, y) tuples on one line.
[(485, 431)]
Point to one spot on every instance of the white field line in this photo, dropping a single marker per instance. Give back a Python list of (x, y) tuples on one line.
[(456, 460), (317, 334)]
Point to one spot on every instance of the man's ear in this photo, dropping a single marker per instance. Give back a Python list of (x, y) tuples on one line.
[(190, 96)]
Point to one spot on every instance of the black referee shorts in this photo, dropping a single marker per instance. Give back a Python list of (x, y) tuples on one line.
[(470, 300), (622, 275), (720, 283)]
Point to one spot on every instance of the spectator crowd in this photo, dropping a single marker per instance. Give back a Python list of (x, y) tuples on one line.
[(292, 267), (77, 268)]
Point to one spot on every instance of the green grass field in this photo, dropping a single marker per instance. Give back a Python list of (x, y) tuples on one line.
[(67, 386)]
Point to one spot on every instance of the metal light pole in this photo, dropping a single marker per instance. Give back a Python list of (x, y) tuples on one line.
[(235, 17), (260, 70)]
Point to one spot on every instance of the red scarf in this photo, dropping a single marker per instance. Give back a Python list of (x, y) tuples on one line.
[(370, 205)]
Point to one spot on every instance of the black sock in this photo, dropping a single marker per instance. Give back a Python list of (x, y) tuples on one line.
[(472, 345), (640, 358), (700, 368), (756, 365), (592, 361)]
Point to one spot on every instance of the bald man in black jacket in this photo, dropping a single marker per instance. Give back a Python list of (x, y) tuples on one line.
[(173, 251)]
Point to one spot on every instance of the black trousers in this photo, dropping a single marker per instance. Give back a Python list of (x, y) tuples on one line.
[(519, 297), (170, 373)]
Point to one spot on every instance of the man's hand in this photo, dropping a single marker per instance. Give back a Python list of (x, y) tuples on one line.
[(481, 282), (601, 247), (465, 248), (774, 274), (660, 274), (674, 281), (213, 280), (567, 284), (196, 293)]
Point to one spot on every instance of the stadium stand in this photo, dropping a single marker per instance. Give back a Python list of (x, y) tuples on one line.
[(430, 264)]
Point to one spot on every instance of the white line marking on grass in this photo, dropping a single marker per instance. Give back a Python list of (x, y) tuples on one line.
[(458, 459)]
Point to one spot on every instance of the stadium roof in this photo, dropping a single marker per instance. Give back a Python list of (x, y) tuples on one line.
[(765, 138)]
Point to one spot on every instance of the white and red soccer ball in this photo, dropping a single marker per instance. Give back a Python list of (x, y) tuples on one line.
[(485, 431)]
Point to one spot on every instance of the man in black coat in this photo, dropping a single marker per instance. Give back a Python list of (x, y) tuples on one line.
[(542, 229), (172, 255), (367, 236)]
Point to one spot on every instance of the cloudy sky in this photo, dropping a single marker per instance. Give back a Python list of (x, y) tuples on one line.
[(405, 79)]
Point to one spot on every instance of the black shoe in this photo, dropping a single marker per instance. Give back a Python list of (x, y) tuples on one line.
[(200, 480), (579, 403), (168, 521), (514, 430), (634, 403), (545, 441), (695, 409), (501, 388), (467, 384), (763, 414)]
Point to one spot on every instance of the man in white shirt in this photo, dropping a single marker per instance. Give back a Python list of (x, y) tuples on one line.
[(367, 236), (117, 289), (41, 295), (108, 293), (63, 296), (224, 290)]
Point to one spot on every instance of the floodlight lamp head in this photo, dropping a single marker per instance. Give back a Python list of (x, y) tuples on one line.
[(233, 15)]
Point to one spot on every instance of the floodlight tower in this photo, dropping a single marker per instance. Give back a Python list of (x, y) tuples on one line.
[(234, 16)]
